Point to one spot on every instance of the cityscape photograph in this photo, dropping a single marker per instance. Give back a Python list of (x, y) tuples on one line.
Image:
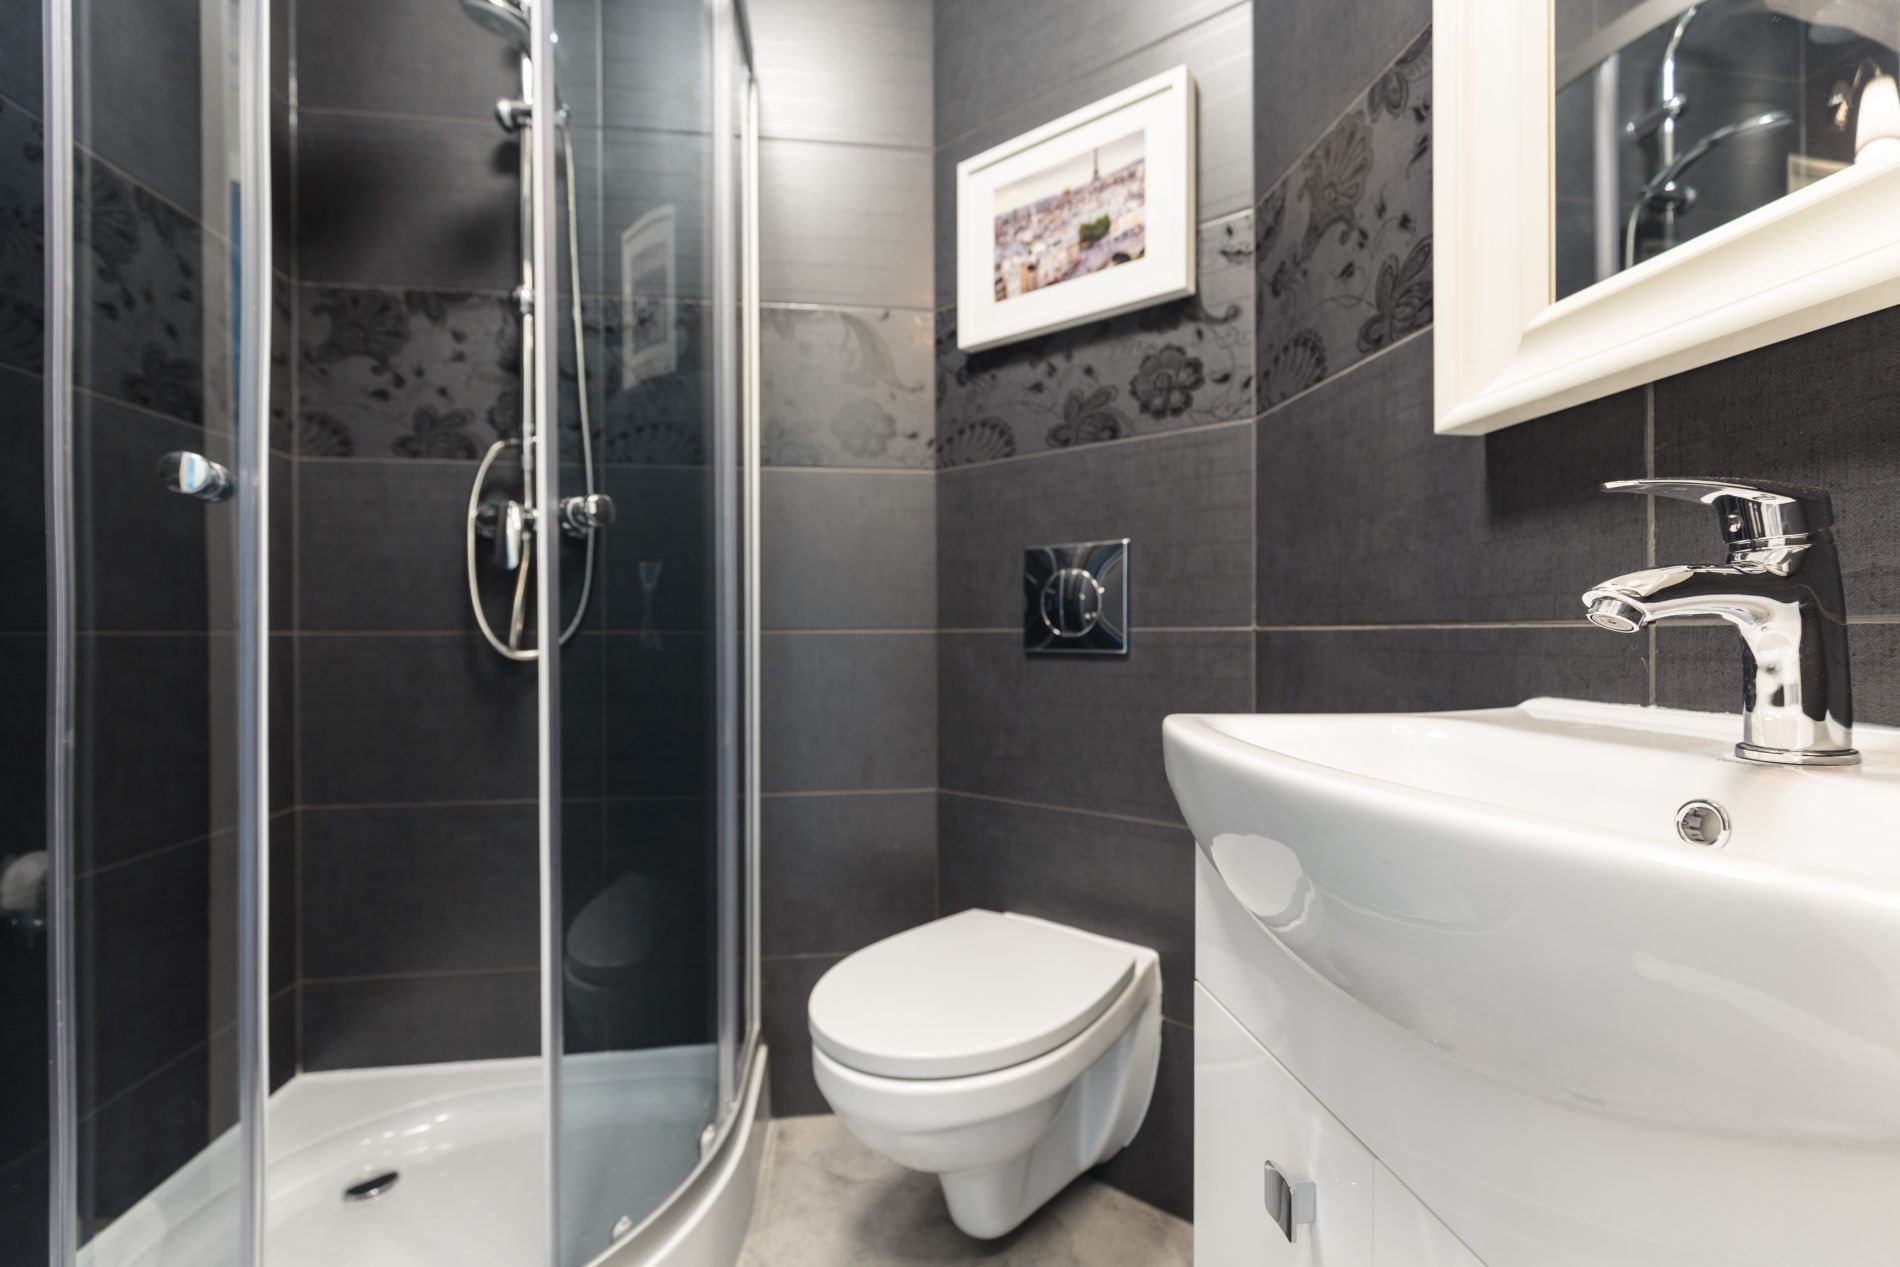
[(1077, 217)]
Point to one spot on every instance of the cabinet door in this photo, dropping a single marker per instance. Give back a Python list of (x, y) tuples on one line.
[(1248, 1111)]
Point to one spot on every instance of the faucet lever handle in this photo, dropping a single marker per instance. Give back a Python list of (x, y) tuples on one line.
[(1751, 511)]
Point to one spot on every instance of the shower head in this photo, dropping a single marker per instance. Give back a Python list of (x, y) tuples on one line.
[(506, 18)]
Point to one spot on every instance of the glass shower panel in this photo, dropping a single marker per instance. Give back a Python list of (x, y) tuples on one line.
[(158, 608), (650, 702), (24, 940)]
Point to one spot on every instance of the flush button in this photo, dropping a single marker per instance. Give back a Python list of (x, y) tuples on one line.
[(1075, 598)]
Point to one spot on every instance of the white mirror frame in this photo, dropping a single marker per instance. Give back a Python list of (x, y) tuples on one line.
[(1504, 352)]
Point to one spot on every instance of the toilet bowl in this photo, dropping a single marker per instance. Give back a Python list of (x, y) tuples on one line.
[(1002, 1053)]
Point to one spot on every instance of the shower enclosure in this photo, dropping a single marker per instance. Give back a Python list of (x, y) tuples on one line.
[(382, 657)]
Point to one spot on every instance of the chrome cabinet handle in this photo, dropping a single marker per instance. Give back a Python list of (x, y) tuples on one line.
[(195, 475), (1291, 1205)]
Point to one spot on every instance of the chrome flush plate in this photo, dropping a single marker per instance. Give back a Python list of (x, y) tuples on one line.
[(1075, 598)]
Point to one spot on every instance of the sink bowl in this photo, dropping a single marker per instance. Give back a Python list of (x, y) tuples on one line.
[(1597, 991)]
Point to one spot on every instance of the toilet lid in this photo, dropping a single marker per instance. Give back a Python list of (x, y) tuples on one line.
[(970, 993)]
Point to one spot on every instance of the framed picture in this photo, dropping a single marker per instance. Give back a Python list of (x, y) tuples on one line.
[(1085, 217)]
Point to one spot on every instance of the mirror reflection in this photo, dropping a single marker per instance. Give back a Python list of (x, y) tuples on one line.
[(1673, 118)]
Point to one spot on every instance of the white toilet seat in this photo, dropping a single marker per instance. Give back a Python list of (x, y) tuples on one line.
[(968, 994)]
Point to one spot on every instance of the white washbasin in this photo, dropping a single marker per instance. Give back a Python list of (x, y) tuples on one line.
[(1479, 938)]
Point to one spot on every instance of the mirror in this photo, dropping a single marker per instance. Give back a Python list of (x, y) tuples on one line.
[(1672, 119)]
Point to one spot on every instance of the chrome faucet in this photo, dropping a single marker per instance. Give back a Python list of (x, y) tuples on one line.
[(1781, 589)]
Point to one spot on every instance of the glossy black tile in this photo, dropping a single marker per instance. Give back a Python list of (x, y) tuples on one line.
[(1366, 516), (1815, 410), (1183, 364), (848, 550), (1082, 731), (132, 1144), (1343, 243), (143, 969), (1185, 500), (785, 987), (23, 1124), (848, 711), (137, 71), (23, 516), (1381, 670), (143, 725), (420, 1020), (24, 1193), (401, 57), (413, 718), (406, 374), (394, 891), (1158, 1164), (407, 202), (658, 571), (840, 872), (1133, 881), (846, 387)]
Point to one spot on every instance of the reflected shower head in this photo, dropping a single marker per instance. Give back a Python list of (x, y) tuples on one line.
[(506, 18)]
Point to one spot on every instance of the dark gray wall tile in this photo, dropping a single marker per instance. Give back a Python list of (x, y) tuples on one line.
[(664, 521), (1701, 668), (656, 65), (22, 252), (993, 56), (669, 846), (20, 71), (143, 969), (843, 70), (1183, 364), (405, 374), (666, 676), (635, 172), (848, 550), (407, 202), (405, 718), (143, 735), (419, 889), (1082, 731), (1311, 62), (846, 387), (136, 92), (140, 551), (420, 1020), (1366, 516), (1815, 410), (23, 515), (785, 988), (1186, 501), (849, 711), (1132, 881), (401, 56), (1158, 1164), (1215, 51), (1343, 243), (1379, 670), (136, 1141), (844, 224), (840, 872)]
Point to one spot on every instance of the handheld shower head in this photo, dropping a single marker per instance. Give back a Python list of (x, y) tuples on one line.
[(506, 18)]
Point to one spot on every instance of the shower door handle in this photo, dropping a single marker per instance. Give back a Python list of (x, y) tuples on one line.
[(195, 475)]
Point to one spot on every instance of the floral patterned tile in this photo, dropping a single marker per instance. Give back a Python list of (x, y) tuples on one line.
[(656, 383), (22, 240), (407, 374), (1343, 243), (1183, 364), (846, 387), (140, 333)]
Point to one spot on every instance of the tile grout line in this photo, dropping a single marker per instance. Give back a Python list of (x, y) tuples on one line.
[(1110, 815)]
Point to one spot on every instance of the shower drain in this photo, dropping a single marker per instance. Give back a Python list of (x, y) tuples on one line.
[(371, 1188)]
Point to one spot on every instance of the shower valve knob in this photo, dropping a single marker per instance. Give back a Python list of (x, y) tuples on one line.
[(581, 515)]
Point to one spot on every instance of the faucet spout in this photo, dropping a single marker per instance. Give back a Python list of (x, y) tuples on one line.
[(1781, 590)]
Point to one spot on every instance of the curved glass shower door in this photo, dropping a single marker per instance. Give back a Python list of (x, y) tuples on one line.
[(648, 959)]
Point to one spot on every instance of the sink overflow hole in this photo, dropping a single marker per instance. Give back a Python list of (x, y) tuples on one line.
[(371, 1188), (1703, 823)]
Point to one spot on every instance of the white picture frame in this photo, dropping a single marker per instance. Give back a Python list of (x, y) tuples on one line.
[(1153, 119), (1504, 352)]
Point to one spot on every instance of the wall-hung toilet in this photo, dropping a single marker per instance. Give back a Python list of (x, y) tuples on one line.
[(1004, 1054)]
